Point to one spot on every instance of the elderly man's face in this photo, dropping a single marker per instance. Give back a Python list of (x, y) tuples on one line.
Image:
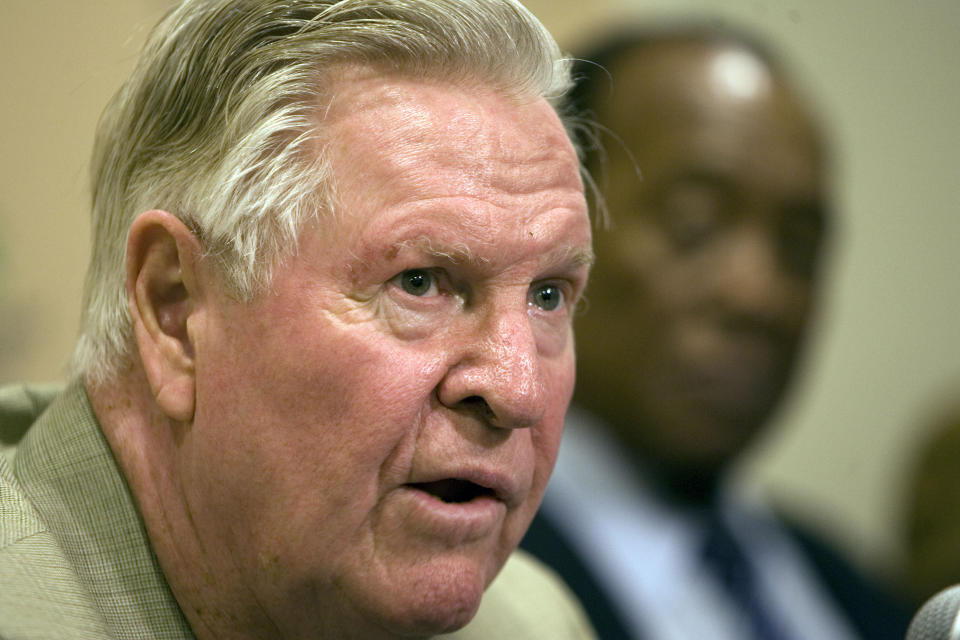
[(705, 284), (373, 436)]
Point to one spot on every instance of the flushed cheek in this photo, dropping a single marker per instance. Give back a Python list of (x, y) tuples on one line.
[(327, 420)]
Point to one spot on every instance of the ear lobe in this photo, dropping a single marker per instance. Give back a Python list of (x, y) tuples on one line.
[(163, 293)]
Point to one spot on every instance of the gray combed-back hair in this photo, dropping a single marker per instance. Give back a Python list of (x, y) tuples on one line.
[(219, 125)]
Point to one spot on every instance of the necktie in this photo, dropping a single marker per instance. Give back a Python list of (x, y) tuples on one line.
[(723, 554)]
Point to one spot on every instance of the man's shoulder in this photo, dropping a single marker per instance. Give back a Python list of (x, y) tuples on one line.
[(40, 597), (527, 601), (20, 405), (18, 518)]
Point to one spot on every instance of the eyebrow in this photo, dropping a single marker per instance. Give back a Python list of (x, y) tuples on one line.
[(461, 253), (573, 256), (457, 254)]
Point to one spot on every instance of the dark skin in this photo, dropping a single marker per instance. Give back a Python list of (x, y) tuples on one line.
[(704, 284)]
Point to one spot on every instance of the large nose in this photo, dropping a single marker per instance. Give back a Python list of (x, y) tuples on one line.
[(498, 376)]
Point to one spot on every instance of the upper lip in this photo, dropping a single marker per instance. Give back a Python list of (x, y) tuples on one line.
[(503, 486)]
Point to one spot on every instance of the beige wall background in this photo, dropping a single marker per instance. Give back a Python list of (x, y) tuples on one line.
[(885, 74)]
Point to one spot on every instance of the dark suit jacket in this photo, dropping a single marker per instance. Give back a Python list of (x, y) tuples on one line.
[(871, 612)]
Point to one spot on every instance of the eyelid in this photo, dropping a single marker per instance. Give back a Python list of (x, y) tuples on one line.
[(574, 281)]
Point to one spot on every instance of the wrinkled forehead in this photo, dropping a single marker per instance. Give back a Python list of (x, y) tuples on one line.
[(379, 109), (412, 157), (470, 136)]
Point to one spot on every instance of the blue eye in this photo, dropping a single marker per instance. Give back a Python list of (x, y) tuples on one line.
[(417, 282), (547, 296)]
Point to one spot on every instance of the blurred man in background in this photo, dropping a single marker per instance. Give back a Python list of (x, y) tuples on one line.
[(714, 175)]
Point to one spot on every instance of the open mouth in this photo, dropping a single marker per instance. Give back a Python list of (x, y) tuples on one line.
[(454, 490)]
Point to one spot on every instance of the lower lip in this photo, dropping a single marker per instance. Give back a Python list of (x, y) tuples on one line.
[(453, 523)]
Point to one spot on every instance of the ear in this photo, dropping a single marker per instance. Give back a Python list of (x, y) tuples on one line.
[(163, 292)]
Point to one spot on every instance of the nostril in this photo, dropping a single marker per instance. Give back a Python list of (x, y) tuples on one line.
[(479, 407)]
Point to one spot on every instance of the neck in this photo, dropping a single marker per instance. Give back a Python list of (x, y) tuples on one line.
[(144, 442)]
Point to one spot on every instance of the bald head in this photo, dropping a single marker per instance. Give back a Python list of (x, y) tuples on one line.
[(720, 94), (713, 177)]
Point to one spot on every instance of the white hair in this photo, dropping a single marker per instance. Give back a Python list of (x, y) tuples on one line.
[(219, 125)]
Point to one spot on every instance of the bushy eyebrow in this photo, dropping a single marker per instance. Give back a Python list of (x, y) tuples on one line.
[(568, 256), (456, 254), (573, 256)]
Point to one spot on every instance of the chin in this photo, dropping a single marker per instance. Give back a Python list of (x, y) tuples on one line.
[(441, 598)]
